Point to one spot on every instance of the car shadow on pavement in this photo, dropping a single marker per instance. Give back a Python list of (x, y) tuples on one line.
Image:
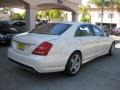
[(92, 74), (4, 45), (41, 76)]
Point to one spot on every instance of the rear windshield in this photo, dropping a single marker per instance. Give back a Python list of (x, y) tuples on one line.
[(51, 28)]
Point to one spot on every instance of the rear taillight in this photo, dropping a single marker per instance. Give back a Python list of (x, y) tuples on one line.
[(43, 49)]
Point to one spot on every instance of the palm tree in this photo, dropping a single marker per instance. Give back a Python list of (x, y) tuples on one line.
[(86, 17), (117, 5), (100, 4), (56, 15), (5, 10), (52, 14), (113, 4), (43, 14), (108, 3)]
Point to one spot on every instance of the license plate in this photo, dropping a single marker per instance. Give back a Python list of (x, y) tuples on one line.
[(21, 46)]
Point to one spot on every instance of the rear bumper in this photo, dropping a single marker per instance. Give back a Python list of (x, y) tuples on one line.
[(37, 63), (23, 65)]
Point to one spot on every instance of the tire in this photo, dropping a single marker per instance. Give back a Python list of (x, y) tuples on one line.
[(73, 65), (112, 49)]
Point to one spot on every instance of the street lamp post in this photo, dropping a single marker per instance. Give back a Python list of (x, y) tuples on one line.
[(102, 11), (112, 6)]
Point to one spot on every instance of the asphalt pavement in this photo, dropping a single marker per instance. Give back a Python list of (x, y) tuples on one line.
[(102, 73)]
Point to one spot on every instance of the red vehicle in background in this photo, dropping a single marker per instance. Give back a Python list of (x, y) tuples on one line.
[(116, 31)]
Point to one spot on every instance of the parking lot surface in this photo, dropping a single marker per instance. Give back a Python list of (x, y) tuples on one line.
[(100, 74)]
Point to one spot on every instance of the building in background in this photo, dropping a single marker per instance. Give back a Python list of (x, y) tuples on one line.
[(111, 17), (33, 6)]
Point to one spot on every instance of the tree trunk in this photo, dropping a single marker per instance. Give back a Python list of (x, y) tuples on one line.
[(102, 11)]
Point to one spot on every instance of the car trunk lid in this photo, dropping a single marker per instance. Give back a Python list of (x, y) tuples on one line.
[(27, 42)]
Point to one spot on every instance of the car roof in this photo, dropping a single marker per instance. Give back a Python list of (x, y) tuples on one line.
[(73, 23)]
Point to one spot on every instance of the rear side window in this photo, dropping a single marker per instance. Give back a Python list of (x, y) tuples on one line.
[(51, 28), (97, 31)]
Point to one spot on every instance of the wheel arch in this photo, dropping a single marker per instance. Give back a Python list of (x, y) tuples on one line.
[(66, 71), (114, 42), (78, 51)]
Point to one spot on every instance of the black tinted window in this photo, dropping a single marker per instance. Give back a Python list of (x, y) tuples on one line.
[(51, 28), (84, 30), (19, 23), (4, 25)]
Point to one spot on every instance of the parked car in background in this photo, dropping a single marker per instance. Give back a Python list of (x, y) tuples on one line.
[(6, 32), (105, 29), (38, 23), (116, 31), (53, 47), (20, 25)]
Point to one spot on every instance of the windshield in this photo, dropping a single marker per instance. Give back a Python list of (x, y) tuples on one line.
[(51, 28)]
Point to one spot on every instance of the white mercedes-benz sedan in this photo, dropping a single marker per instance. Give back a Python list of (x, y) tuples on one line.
[(63, 46)]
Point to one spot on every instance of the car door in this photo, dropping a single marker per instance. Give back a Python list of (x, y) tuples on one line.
[(86, 41), (101, 40)]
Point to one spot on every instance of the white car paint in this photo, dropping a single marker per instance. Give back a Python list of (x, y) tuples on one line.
[(63, 46)]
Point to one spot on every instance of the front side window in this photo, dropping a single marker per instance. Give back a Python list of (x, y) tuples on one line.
[(51, 28), (97, 31), (84, 30)]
